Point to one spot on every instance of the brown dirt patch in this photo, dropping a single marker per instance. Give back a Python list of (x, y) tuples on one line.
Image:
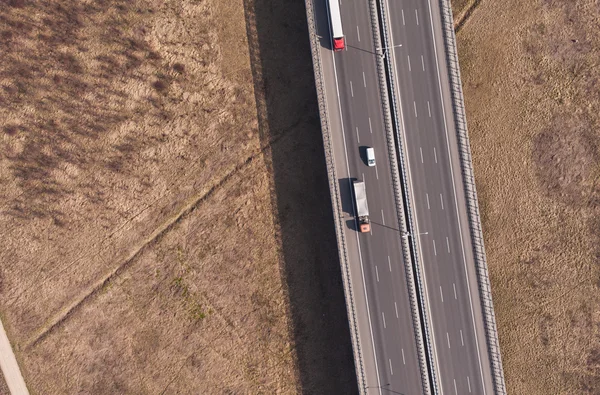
[(530, 80)]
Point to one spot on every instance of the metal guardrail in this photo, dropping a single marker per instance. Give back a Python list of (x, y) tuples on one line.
[(335, 194), (471, 197), (404, 216)]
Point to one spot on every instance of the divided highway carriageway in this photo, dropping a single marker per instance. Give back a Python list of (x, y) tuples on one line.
[(413, 282)]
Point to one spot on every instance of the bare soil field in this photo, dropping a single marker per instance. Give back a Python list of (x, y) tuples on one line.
[(158, 159), (532, 89)]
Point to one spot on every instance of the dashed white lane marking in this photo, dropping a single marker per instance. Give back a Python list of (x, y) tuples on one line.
[(469, 384), (461, 339), (383, 315), (428, 108), (351, 89), (441, 294), (357, 135), (396, 308), (390, 265), (422, 63), (448, 339), (382, 217), (455, 390), (417, 15), (363, 179), (434, 249), (403, 22), (442, 200), (376, 173), (415, 105), (370, 127), (409, 68), (358, 33), (364, 80), (435, 154), (403, 360), (427, 197), (454, 286), (377, 273), (391, 369), (448, 244), (421, 149)]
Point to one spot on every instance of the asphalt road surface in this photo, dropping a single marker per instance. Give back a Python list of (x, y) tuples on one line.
[(386, 330), (461, 355)]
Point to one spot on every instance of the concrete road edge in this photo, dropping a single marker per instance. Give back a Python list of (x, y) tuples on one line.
[(10, 367), (335, 196)]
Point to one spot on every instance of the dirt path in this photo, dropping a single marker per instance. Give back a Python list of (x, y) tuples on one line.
[(9, 366)]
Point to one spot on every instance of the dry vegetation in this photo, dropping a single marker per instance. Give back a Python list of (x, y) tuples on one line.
[(531, 83), (3, 386), (138, 245)]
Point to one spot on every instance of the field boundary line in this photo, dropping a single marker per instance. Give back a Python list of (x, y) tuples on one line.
[(154, 237)]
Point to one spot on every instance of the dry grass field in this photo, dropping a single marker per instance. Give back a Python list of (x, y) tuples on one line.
[(3, 386), (157, 161), (532, 89)]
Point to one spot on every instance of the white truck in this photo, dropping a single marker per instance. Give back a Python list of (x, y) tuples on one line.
[(362, 209), (335, 22)]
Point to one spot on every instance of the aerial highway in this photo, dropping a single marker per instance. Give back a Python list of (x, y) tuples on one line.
[(427, 124), (354, 104)]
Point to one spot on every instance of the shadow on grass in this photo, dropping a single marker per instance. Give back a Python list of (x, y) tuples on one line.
[(288, 114)]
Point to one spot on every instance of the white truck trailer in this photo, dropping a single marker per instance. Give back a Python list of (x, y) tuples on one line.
[(362, 209), (335, 22)]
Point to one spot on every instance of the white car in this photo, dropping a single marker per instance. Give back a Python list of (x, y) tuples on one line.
[(370, 156)]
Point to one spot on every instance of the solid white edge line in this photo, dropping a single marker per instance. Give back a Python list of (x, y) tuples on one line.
[(356, 224), (455, 202), (418, 237)]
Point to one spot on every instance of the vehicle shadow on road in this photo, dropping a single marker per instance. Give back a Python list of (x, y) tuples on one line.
[(289, 123)]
